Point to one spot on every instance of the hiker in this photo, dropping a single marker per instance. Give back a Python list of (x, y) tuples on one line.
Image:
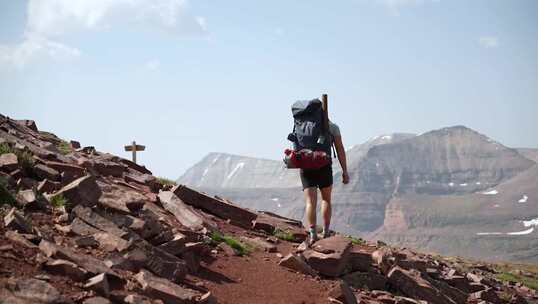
[(315, 164)]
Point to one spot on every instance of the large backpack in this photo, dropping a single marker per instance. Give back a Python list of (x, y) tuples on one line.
[(309, 132)]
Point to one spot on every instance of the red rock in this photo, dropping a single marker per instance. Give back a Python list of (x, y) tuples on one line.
[(384, 259), (360, 258), (297, 263), (411, 284), (30, 124), (14, 220), (270, 222), (66, 268), (69, 172), (83, 191), (8, 162), (19, 239), (74, 144), (89, 263), (185, 214), (103, 167), (165, 290), (47, 186), (121, 198), (135, 166), (99, 283), (158, 261), (176, 245), (343, 293), (330, 256), (362, 280), (36, 291), (26, 183), (94, 219), (259, 243), (44, 172), (225, 210), (488, 295)]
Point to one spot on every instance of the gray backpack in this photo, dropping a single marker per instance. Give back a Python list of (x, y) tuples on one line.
[(309, 131)]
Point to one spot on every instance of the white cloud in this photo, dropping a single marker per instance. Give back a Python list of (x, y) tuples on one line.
[(33, 48), (153, 64), (489, 42), (48, 20), (395, 6), (57, 17)]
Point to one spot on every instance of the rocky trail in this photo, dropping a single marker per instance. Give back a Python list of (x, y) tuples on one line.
[(81, 226)]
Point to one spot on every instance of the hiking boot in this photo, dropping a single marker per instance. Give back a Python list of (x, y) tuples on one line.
[(312, 238)]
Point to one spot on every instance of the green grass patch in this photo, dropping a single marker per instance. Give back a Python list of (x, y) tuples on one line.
[(165, 181), (283, 235), (64, 147), (5, 148), (509, 272), (59, 200), (356, 241), (239, 247)]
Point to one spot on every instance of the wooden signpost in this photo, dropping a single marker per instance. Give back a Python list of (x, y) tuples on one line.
[(134, 147)]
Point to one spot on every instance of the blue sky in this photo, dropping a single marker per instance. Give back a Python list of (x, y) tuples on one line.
[(187, 78)]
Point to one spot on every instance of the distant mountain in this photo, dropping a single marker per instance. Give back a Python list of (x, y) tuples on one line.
[(442, 190), (221, 170)]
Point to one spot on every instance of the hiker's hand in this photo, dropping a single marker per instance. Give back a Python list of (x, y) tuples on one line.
[(345, 178)]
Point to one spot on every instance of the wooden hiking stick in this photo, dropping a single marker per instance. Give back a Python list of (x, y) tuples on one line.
[(325, 107)]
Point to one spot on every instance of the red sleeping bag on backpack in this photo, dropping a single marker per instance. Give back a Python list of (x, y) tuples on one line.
[(306, 159)]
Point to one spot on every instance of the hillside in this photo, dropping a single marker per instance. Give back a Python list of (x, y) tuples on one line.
[(81, 226), (439, 191)]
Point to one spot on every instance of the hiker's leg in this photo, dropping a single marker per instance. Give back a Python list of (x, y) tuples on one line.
[(326, 209), (311, 197)]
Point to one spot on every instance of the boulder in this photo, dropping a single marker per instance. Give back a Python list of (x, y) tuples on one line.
[(412, 285), (223, 209), (297, 263), (142, 179), (74, 144), (66, 268), (121, 198), (8, 162), (99, 284), (16, 221), (270, 223), (109, 242), (16, 237), (44, 172), (330, 256), (158, 261), (488, 295), (165, 290), (30, 124), (384, 259), (259, 243), (360, 258), (185, 214), (366, 280), (47, 186), (69, 172), (89, 263), (34, 290), (83, 191), (97, 221), (28, 200), (343, 293), (103, 167), (86, 241), (176, 245)]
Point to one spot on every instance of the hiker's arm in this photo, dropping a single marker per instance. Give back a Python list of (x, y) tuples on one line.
[(341, 153)]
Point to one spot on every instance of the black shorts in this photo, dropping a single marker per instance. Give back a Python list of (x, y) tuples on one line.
[(318, 178)]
